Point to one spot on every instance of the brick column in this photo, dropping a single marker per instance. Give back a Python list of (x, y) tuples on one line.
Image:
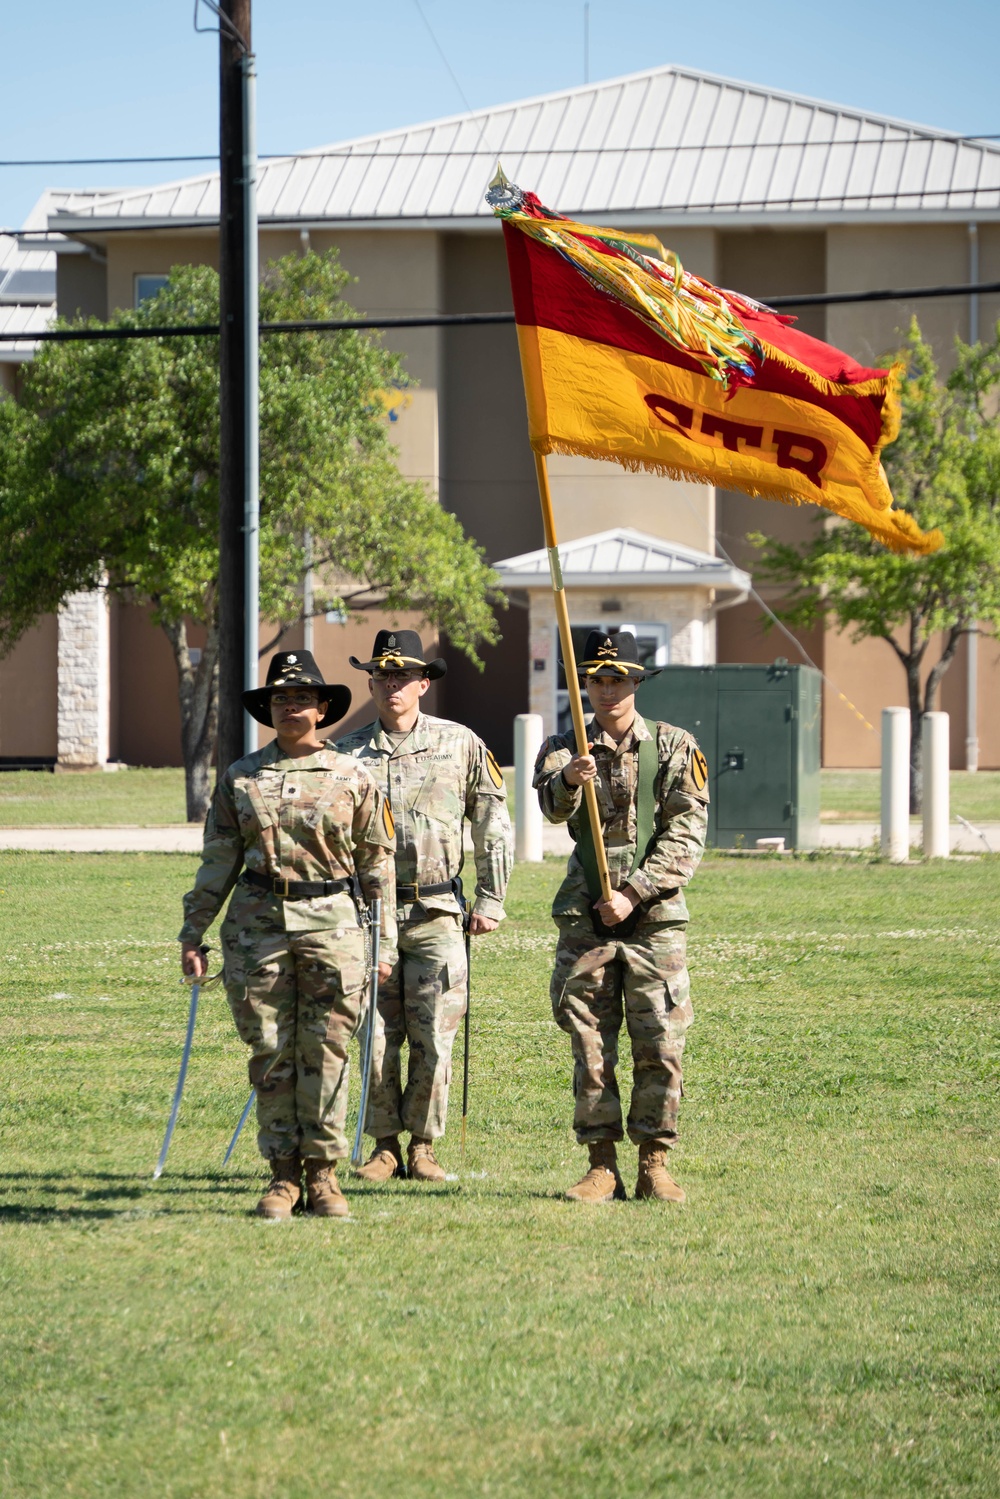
[(84, 682)]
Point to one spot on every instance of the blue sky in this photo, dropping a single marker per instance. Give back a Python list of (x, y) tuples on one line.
[(127, 77)]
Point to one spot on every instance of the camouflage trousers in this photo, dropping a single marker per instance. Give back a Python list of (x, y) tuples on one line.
[(297, 998), (594, 983), (422, 1004)]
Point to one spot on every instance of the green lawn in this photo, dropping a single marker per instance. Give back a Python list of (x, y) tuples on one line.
[(820, 1319), (95, 799), (154, 797), (853, 795)]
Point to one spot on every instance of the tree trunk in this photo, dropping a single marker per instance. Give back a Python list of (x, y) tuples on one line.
[(198, 688), (916, 718), (942, 664)]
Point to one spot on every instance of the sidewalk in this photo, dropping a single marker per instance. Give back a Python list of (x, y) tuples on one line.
[(185, 838)]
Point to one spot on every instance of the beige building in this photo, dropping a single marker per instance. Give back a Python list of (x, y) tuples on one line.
[(769, 193)]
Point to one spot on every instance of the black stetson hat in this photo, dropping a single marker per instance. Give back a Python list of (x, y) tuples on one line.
[(296, 669), (400, 650), (613, 655)]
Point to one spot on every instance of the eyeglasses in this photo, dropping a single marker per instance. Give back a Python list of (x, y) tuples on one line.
[(294, 699), (381, 675)]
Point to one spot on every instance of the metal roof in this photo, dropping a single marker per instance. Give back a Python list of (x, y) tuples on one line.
[(28, 273), (21, 320), (661, 146), (624, 557)]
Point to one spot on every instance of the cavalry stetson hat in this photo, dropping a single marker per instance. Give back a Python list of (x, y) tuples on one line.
[(613, 655), (297, 669), (400, 650)]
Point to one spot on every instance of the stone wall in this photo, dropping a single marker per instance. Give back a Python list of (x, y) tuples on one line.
[(84, 682)]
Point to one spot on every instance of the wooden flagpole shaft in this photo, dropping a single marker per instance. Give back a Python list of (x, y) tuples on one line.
[(569, 665)]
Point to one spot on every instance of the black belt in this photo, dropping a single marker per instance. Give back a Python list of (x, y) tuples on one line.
[(417, 892), (295, 889)]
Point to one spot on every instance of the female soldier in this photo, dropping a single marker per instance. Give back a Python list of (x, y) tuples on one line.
[(312, 836)]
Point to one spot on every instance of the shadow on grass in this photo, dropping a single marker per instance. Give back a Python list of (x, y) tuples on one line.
[(93, 1195)]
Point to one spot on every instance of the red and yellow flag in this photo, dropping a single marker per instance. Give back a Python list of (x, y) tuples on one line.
[(627, 356)]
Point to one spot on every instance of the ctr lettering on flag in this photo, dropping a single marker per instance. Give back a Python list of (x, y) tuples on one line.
[(789, 450)]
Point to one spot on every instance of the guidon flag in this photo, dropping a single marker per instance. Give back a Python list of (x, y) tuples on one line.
[(629, 357)]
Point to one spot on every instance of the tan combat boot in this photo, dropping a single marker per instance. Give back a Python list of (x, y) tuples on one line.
[(284, 1190), (323, 1195), (420, 1163), (385, 1161), (602, 1182), (654, 1179)]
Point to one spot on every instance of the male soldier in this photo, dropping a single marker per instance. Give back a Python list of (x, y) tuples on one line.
[(434, 774), (652, 791)]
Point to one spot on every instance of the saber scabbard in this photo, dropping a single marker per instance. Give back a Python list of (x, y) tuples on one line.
[(368, 1045), (236, 1132), (468, 1006)]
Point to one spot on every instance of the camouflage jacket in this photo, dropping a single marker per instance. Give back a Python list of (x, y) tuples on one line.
[(441, 774), (320, 817), (681, 794)]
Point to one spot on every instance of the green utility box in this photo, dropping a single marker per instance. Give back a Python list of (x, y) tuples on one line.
[(759, 727)]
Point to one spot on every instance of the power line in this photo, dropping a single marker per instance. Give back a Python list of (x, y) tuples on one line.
[(460, 319), (518, 153), (464, 319), (207, 330), (907, 294)]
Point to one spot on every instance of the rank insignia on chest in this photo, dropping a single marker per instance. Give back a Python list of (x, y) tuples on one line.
[(495, 773), (388, 821)]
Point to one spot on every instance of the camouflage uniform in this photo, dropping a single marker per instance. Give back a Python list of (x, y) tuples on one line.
[(439, 775), (295, 969), (646, 974)]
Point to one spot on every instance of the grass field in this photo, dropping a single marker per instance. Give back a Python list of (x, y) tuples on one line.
[(821, 1318), (156, 797), (853, 795), (95, 799)]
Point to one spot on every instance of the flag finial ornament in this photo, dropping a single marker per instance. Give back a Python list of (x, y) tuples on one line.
[(502, 195)]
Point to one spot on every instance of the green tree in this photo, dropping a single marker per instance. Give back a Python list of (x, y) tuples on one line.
[(109, 473), (945, 469)]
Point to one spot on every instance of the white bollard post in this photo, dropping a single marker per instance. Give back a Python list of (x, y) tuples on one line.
[(935, 750), (896, 784), (528, 820)]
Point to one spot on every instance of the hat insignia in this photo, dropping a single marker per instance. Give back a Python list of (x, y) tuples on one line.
[(392, 640), (291, 658)]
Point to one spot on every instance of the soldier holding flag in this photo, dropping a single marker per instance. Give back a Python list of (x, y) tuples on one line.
[(626, 954), (435, 774)]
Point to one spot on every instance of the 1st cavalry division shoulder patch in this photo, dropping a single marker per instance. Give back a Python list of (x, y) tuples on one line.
[(496, 774), (698, 770), (387, 820)]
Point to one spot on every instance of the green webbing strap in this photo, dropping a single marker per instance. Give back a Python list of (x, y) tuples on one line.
[(645, 815)]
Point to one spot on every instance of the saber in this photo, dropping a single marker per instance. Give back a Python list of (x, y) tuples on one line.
[(236, 1133), (368, 1050), (179, 1090)]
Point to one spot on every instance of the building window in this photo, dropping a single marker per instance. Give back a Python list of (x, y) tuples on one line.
[(652, 641), (148, 286)]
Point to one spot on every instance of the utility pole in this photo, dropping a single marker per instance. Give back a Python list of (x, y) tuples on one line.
[(238, 534)]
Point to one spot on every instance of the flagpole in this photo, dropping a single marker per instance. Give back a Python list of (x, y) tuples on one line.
[(569, 664)]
